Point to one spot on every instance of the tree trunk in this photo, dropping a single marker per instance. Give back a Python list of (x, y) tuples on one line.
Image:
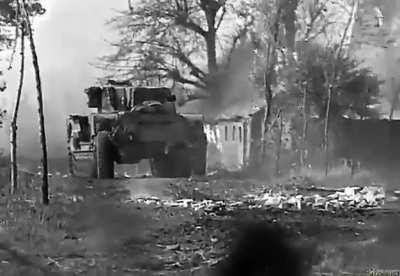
[(268, 101), (268, 77), (303, 152), (13, 128), (326, 131), (332, 81), (211, 52), (210, 37), (278, 152), (42, 133)]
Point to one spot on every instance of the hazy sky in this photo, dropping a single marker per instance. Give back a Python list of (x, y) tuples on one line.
[(71, 35)]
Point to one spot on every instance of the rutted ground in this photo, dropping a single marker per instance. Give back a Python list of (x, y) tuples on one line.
[(143, 227)]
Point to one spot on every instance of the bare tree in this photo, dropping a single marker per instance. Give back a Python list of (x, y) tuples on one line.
[(331, 81), (42, 133), (13, 128), (279, 147), (326, 128), (303, 150), (271, 40), (315, 25)]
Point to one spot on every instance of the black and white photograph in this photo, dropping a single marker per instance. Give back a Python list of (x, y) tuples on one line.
[(200, 137)]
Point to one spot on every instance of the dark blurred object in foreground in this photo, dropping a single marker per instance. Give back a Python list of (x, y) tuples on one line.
[(262, 249)]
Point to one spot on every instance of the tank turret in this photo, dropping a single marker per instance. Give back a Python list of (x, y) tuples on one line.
[(121, 96)]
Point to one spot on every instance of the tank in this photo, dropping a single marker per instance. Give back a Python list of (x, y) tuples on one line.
[(131, 124)]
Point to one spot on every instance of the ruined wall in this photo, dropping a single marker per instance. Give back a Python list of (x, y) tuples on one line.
[(228, 143), (232, 144)]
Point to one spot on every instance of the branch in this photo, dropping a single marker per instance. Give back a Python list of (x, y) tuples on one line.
[(182, 19), (178, 53), (221, 18), (346, 29), (192, 26), (176, 75), (196, 71), (313, 18)]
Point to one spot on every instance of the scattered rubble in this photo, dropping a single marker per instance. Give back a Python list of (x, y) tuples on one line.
[(346, 198)]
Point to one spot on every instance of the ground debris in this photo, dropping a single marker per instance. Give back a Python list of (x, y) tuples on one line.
[(189, 224), (340, 199)]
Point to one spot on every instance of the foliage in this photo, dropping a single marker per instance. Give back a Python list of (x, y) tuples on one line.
[(355, 88), (171, 40), (286, 70)]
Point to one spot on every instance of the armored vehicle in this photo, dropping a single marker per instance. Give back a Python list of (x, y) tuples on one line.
[(135, 123)]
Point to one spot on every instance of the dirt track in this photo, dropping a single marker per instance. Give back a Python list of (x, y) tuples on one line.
[(99, 228)]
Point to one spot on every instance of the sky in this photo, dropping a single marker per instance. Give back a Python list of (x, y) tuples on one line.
[(70, 36)]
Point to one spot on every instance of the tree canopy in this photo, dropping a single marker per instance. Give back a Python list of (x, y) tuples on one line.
[(292, 42), (356, 88), (182, 40)]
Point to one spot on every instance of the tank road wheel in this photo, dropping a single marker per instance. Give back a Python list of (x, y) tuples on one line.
[(104, 156)]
